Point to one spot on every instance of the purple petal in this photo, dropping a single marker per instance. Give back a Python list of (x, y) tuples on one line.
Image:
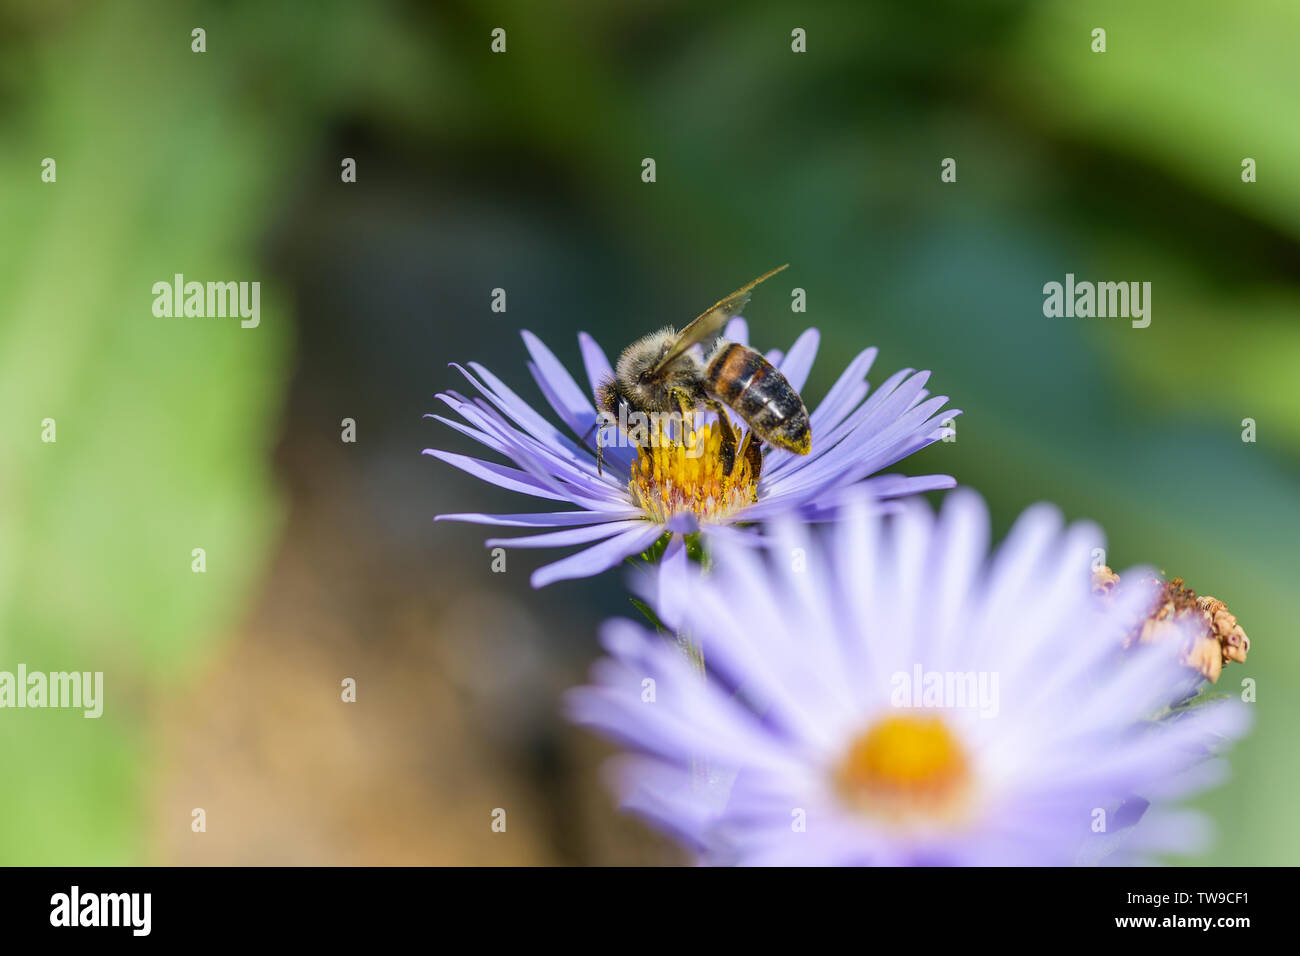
[(848, 390), (510, 404), (670, 582), (899, 486), (594, 360), (737, 330), (566, 389), (474, 433), (541, 519), (560, 539), (564, 470), (511, 479), (798, 362), (599, 557), (578, 420)]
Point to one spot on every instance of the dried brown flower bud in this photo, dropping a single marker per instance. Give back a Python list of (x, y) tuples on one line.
[(1104, 581), (1227, 632), (1219, 641)]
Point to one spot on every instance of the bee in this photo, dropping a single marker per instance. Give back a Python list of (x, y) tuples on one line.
[(661, 372)]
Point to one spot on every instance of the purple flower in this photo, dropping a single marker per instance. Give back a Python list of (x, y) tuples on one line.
[(643, 493), (891, 696)]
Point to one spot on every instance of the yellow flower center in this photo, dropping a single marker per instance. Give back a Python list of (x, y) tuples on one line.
[(906, 770), (674, 474)]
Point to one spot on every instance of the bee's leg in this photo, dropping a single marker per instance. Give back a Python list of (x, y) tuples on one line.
[(685, 407), (728, 450), (752, 449)]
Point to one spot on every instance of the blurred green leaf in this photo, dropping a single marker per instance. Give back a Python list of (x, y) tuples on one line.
[(164, 426)]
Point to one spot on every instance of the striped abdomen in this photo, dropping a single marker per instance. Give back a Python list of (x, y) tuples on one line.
[(749, 384)]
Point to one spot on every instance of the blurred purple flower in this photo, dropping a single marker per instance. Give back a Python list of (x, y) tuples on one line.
[(815, 738), (853, 437)]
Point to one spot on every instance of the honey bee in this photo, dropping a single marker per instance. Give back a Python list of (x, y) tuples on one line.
[(661, 373)]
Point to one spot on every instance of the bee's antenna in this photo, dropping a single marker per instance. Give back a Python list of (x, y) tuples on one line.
[(600, 457)]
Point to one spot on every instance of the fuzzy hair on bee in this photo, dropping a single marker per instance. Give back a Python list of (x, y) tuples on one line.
[(638, 384)]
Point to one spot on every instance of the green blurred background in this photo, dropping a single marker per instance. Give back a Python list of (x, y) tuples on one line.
[(523, 171)]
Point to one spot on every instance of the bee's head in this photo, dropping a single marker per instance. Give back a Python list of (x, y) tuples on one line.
[(637, 364)]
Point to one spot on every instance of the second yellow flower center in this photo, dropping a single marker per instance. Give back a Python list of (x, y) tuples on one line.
[(904, 770)]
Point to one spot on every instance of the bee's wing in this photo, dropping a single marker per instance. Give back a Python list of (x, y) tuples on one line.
[(711, 322)]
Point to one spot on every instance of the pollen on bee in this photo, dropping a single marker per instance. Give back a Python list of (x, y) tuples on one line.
[(679, 472)]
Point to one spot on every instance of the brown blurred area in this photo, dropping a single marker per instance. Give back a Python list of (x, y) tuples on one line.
[(456, 715), (459, 671)]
